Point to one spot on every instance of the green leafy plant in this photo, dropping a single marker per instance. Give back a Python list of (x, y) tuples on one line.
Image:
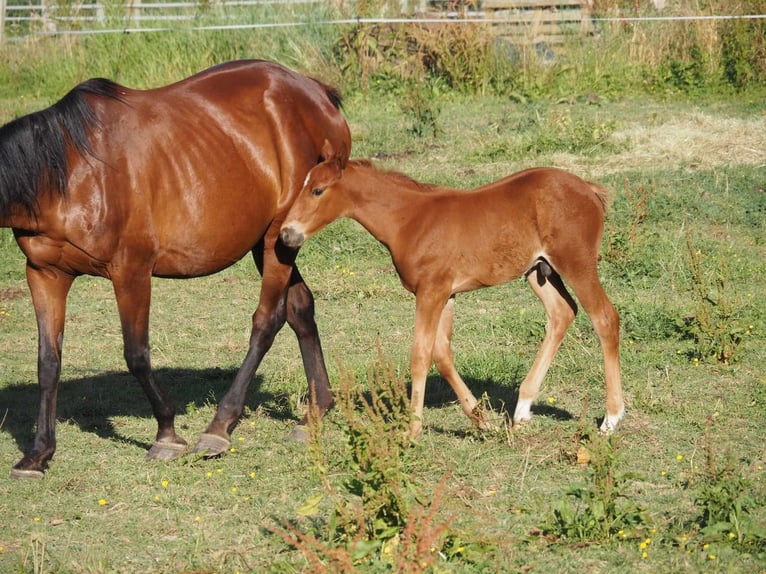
[(598, 508), (726, 498), (713, 326), (379, 518)]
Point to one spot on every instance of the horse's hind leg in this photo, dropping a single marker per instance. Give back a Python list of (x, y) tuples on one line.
[(606, 323), (300, 317), (49, 293), (560, 310), (133, 291), (444, 359)]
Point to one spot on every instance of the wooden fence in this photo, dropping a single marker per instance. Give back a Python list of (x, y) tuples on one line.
[(522, 21)]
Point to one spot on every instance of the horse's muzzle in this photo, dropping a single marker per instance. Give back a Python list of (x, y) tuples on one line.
[(291, 236)]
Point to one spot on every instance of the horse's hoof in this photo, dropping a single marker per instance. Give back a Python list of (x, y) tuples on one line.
[(25, 473), (300, 433), (166, 450), (211, 445)]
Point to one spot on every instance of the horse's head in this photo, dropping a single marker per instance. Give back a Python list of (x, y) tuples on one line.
[(318, 203)]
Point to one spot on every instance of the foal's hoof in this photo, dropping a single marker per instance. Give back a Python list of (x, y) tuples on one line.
[(300, 433), (25, 473), (210, 445), (167, 450)]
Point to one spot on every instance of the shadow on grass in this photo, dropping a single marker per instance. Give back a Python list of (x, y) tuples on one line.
[(502, 397), (91, 402)]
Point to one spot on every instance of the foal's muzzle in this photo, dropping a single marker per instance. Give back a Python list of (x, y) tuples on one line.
[(291, 236)]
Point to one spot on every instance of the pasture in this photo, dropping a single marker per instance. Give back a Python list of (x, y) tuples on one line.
[(681, 485)]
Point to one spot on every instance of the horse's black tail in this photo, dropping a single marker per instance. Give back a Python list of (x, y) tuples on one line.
[(33, 148)]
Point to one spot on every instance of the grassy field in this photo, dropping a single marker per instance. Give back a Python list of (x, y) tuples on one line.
[(682, 482)]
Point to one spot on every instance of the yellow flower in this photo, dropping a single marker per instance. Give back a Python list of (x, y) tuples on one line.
[(712, 556), (165, 483), (209, 474), (233, 489), (252, 475), (197, 519), (232, 449), (102, 502), (551, 400), (36, 519), (679, 457), (663, 473), (219, 470), (644, 554)]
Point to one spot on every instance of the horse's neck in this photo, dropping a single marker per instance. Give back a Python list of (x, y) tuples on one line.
[(381, 203)]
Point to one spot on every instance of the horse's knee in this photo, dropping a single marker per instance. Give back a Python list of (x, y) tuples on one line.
[(300, 306), (138, 362)]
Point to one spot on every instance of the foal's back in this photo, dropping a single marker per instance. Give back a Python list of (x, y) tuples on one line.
[(495, 233)]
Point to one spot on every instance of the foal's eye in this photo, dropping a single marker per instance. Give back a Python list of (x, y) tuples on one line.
[(317, 191)]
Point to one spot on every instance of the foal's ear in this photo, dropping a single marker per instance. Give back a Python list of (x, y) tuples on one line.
[(330, 154)]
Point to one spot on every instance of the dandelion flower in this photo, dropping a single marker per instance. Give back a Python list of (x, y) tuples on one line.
[(165, 483), (551, 400), (102, 502), (644, 554), (679, 457)]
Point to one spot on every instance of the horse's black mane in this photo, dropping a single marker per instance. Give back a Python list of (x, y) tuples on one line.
[(33, 148)]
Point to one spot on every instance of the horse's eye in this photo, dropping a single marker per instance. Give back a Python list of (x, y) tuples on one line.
[(317, 191)]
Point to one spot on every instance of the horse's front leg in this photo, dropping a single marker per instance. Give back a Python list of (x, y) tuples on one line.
[(275, 261), (445, 362), (428, 309), (49, 291), (300, 317), (132, 289)]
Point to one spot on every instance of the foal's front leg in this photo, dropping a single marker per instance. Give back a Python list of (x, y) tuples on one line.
[(428, 309), (445, 362)]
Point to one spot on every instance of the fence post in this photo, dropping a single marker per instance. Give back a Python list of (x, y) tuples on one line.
[(2, 21)]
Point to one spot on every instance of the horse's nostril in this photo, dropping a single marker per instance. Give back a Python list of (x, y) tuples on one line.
[(291, 237)]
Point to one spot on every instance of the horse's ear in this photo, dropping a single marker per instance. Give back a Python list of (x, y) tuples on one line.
[(342, 156), (328, 152)]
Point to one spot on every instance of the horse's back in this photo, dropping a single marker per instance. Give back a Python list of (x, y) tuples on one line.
[(207, 162)]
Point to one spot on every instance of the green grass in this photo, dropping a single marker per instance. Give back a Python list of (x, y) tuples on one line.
[(674, 185)]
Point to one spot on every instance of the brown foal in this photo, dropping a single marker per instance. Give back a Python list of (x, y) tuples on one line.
[(543, 223)]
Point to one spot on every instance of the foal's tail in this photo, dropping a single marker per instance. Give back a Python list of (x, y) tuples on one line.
[(602, 194)]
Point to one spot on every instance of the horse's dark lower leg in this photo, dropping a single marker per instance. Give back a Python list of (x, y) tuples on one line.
[(266, 325), (33, 465), (300, 317), (167, 445), (49, 293), (133, 293)]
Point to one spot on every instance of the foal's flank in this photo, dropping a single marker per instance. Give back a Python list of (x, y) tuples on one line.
[(541, 223)]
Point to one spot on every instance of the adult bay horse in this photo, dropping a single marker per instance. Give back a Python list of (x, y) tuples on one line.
[(545, 224), (179, 181)]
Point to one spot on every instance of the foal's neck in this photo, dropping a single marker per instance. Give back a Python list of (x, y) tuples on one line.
[(383, 202)]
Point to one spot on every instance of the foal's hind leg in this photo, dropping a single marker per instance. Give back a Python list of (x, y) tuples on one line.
[(560, 310), (444, 359), (132, 289), (606, 323)]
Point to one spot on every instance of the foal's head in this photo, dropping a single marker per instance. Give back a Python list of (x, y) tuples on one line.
[(316, 205)]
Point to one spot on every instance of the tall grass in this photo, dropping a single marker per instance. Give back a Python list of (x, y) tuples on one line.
[(652, 57)]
